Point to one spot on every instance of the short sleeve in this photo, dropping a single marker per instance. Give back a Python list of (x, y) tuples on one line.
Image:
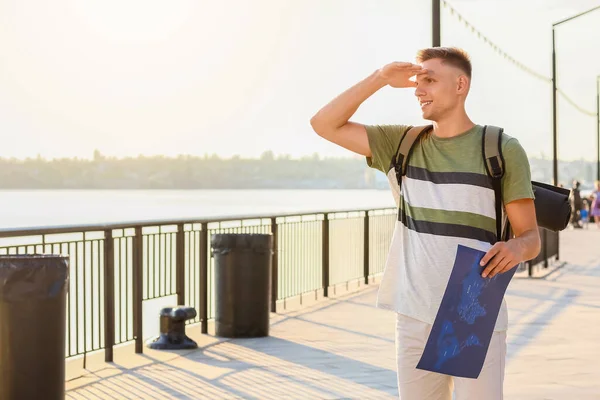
[(516, 183), (383, 142)]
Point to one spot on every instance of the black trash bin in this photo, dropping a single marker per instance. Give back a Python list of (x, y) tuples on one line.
[(242, 284), (32, 326)]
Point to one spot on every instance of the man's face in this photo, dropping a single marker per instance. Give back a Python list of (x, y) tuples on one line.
[(440, 90)]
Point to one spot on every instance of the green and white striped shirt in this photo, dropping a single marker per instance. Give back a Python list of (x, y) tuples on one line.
[(447, 199)]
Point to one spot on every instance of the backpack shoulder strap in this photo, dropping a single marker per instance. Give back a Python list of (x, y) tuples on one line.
[(405, 149), (492, 151), (494, 165)]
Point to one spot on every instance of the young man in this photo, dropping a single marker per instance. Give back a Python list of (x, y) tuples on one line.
[(448, 200)]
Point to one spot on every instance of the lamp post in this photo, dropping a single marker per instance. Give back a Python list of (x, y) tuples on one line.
[(554, 127), (435, 23), (598, 127)]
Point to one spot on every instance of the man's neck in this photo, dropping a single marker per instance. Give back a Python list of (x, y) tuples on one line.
[(452, 126)]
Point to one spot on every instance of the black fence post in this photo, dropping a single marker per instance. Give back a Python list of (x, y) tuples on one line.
[(366, 248), (204, 257), (275, 266), (180, 265), (544, 236), (109, 295), (325, 244), (557, 245), (138, 284)]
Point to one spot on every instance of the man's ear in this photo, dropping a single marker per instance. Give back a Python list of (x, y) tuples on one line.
[(462, 84)]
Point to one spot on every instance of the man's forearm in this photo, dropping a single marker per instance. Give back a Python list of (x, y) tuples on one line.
[(339, 110), (528, 244)]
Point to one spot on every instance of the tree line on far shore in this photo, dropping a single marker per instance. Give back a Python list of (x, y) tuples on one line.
[(214, 172), (186, 172)]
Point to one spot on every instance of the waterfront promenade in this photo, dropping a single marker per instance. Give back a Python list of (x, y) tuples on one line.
[(343, 347)]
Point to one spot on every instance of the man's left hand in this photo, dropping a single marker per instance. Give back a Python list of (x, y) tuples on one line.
[(502, 257)]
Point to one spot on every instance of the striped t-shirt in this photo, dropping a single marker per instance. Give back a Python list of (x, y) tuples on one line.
[(447, 199)]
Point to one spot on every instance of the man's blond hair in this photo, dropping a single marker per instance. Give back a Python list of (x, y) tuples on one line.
[(449, 55)]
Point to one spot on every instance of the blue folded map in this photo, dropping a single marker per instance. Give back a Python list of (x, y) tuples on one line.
[(463, 327)]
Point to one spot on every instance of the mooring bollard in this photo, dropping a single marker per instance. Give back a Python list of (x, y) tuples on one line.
[(172, 329)]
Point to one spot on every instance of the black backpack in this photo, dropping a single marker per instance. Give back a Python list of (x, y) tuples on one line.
[(552, 205)]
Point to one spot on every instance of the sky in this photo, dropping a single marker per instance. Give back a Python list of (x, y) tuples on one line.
[(238, 77)]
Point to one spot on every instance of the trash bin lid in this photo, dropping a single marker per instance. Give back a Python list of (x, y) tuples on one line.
[(32, 276), (250, 241)]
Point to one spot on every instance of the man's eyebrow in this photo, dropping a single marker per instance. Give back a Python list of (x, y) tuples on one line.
[(427, 75)]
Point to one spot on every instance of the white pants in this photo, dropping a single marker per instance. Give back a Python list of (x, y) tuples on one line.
[(417, 384)]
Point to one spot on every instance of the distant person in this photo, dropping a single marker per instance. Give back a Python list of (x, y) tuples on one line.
[(595, 212), (576, 205), (446, 200), (585, 215)]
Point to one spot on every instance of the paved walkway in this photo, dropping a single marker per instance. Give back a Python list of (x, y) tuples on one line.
[(344, 349)]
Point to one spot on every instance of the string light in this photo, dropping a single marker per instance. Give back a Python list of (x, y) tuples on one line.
[(579, 108), (518, 64)]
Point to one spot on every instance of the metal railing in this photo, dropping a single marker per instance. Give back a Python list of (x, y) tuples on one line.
[(115, 268), (549, 250)]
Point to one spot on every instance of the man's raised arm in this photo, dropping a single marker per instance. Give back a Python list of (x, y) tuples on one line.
[(332, 121)]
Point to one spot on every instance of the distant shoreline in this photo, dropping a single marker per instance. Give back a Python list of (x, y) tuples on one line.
[(303, 189), (213, 173)]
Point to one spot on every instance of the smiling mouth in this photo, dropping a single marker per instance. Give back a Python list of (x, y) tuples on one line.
[(425, 103)]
